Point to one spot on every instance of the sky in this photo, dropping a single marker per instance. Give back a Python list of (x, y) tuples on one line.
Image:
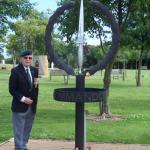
[(43, 5)]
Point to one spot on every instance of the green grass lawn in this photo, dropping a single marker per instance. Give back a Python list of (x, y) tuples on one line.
[(55, 120)]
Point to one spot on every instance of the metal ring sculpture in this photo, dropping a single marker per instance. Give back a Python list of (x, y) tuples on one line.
[(101, 63)]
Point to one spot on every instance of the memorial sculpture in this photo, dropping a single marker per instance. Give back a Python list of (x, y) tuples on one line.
[(80, 95)]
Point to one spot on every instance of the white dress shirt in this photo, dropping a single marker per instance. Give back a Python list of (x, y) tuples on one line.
[(23, 98)]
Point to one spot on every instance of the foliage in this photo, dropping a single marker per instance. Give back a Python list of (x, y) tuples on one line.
[(29, 34), (1, 51), (93, 22), (13, 46), (138, 29), (127, 53), (1, 57), (96, 25), (67, 51), (10, 10), (136, 35)]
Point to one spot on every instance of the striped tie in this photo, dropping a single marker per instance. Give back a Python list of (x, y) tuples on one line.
[(29, 78)]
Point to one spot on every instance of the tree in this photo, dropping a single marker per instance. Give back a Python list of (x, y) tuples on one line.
[(66, 51), (29, 34), (94, 24), (139, 32), (10, 10), (13, 47)]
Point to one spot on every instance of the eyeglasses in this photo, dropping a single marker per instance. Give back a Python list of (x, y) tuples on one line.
[(27, 57)]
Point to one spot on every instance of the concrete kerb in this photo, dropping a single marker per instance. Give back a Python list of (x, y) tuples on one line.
[(5, 142), (49, 144)]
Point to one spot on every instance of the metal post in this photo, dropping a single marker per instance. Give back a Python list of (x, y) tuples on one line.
[(80, 118)]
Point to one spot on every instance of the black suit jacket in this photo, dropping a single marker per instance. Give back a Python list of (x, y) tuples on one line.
[(19, 87)]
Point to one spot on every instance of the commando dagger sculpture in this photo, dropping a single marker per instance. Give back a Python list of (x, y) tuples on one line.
[(80, 38)]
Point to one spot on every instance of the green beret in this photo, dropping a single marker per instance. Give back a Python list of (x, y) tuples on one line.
[(25, 53)]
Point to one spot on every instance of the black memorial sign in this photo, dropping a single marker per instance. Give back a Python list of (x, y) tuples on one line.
[(80, 94), (74, 95)]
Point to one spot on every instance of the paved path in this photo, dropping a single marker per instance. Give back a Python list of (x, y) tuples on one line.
[(66, 145)]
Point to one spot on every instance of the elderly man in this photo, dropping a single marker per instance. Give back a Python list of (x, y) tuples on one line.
[(24, 89)]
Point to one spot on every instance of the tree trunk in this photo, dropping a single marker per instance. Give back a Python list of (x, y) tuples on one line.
[(14, 59), (104, 106), (124, 71), (14, 62), (138, 78)]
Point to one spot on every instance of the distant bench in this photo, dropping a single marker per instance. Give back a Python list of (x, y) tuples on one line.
[(59, 72), (3, 68), (144, 67), (116, 73)]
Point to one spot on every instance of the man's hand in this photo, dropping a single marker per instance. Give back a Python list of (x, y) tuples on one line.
[(28, 101), (87, 74)]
